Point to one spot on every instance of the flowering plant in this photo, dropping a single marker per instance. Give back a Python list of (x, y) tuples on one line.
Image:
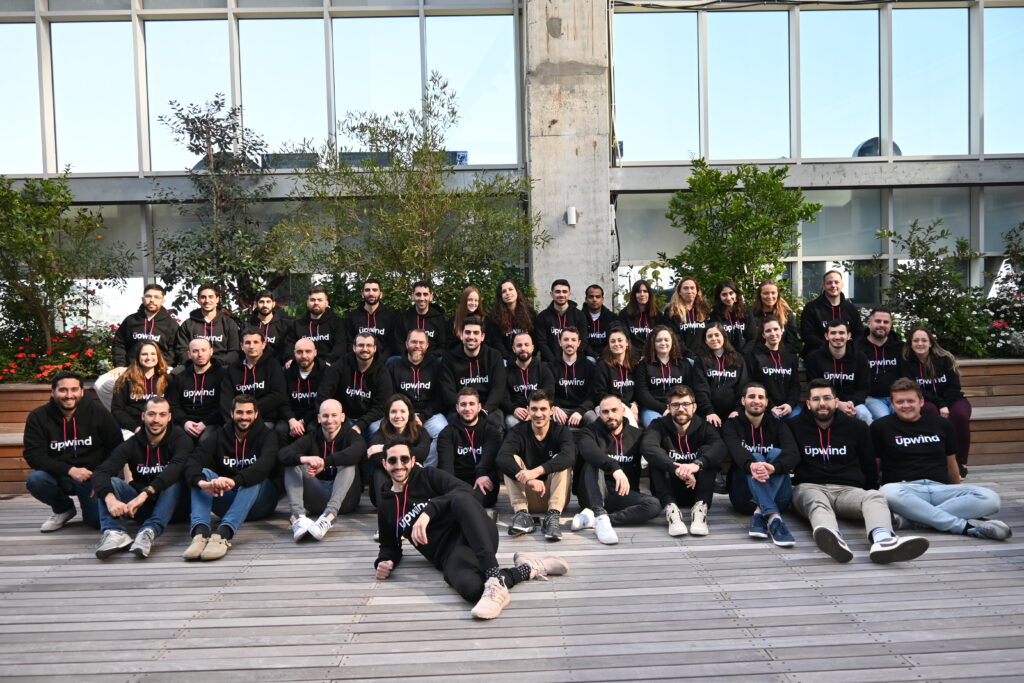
[(85, 351)]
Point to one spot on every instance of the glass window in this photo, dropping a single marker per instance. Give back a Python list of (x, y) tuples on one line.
[(17, 5), (1004, 210), (94, 96), (748, 85), (1004, 79), (657, 112), (485, 84), (643, 228), (951, 204), (284, 81), (376, 65), (846, 224), (838, 81), (19, 116), (191, 76), (183, 4), (122, 223), (61, 5), (930, 88)]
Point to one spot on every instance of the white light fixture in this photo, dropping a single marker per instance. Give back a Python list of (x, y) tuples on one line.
[(570, 216)]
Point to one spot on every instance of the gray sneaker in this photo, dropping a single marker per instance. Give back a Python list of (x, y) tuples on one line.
[(989, 528), (113, 541), (143, 543), (57, 520)]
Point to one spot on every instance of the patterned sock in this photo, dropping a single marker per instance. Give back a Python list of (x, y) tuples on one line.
[(514, 575), (879, 534)]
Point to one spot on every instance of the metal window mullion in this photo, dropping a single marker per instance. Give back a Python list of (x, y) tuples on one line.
[(885, 248), (976, 71), (235, 59), (332, 104), (702, 83), (519, 57), (141, 92), (795, 120), (47, 114), (424, 73), (976, 270), (885, 90)]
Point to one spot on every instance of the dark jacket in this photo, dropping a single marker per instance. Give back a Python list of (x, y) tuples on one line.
[(654, 380), (597, 331), (265, 382), (555, 453), (434, 324), (573, 391), (501, 341), (135, 328), (362, 394), (222, 332), (885, 363), (485, 373), (725, 384), (55, 445), (519, 383), (819, 312), (469, 451), (127, 409), (303, 392), (246, 461), (849, 375), (550, 324), (688, 329), (159, 466), (639, 327), (743, 439), (275, 333), (617, 381), (384, 324), (740, 330), (196, 398), (841, 454), (327, 333), (778, 371), (609, 453), (909, 451), (664, 447), (944, 389), (421, 383), (345, 449)]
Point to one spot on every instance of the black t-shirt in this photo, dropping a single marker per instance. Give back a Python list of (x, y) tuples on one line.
[(914, 450)]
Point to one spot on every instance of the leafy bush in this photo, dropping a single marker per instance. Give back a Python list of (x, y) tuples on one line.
[(86, 352)]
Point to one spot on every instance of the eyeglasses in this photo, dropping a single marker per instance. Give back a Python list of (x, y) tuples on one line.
[(820, 399), (684, 404), (395, 459)]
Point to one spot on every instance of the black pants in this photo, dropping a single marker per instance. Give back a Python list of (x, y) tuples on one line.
[(633, 508), (468, 550), (489, 499), (670, 489)]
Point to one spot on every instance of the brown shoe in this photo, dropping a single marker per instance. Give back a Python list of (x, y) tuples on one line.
[(215, 549), (494, 599), (195, 549)]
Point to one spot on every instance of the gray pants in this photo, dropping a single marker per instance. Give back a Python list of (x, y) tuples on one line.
[(309, 494), (822, 503)]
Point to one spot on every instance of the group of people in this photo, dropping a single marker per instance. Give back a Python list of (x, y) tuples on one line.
[(433, 414)]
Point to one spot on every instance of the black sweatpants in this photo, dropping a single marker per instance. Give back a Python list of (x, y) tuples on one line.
[(468, 548), (633, 508), (670, 489)]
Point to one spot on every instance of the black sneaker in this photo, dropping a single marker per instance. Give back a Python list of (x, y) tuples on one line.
[(522, 523), (720, 484), (963, 470), (552, 526)]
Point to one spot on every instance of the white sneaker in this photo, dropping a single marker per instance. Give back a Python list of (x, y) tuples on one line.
[(113, 541), (584, 520), (300, 527), (699, 519), (320, 527), (605, 533), (676, 526), (57, 520)]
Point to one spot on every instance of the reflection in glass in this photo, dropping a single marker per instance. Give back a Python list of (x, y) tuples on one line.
[(1004, 79), (284, 90), (748, 85), (930, 87), (1004, 210), (846, 224), (657, 113), (191, 76), (94, 96), (485, 84), (19, 116), (838, 81), (951, 204), (643, 229)]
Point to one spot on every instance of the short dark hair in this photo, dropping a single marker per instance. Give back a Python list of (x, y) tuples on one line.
[(472, 320), (317, 289), (371, 281), (64, 375), (249, 331), (594, 286), (265, 294), (906, 384), (365, 335), (569, 328), (157, 400), (244, 398), (205, 286), (819, 383), (754, 385), (561, 281), (398, 440), (880, 309), (153, 286), (467, 391), (837, 322), (681, 391), (830, 272), (422, 283), (414, 330), (540, 395)]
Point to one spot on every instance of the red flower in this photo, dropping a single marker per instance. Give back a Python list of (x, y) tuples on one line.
[(89, 353), (19, 355), (73, 356), (28, 339)]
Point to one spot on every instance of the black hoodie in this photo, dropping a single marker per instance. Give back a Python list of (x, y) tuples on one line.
[(840, 454), (640, 326), (246, 461), (849, 375), (264, 382), (885, 362), (742, 439), (159, 466), (485, 373), (303, 392), (778, 371), (345, 449), (127, 409), (790, 335), (519, 383), (196, 397), (609, 452), (222, 332), (327, 333), (944, 389), (740, 330), (819, 312), (362, 394), (502, 341), (136, 328), (275, 333), (664, 447), (598, 329), (55, 445), (573, 384), (615, 380), (469, 451), (654, 380), (725, 384), (688, 329), (555, 453), (421, 383), (384, 324), (433, 324), (550, 324)]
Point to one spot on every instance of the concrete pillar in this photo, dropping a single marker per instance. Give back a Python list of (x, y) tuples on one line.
[(568, 147)]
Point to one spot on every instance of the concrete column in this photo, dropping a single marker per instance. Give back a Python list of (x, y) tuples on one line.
[(567, 141)]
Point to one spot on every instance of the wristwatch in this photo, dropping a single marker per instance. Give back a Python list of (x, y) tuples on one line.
[(149, 491)]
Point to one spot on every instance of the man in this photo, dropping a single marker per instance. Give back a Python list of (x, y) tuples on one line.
[(210, 322), (302, 381), (257, 375), (471, 364), (831, 304), (468, 446), (228, 474), (599, 321), (425, 315), (273, 322), (373, 317), (417, 375), (845, 368), (920, 477), (156, 457), (611, 449), (322, 472), (835, 477), (572, 380), (437, 513), (883, 349), (320, 325), (560, 314), (526, 375), (65, 440), (195, 392), (684, 453), (764, 453), (360, 382), (537, 459)]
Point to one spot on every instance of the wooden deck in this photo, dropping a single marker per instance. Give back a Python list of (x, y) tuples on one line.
[(652, 607)]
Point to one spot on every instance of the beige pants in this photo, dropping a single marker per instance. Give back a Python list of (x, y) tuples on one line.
[(556, 495), (822, 503)]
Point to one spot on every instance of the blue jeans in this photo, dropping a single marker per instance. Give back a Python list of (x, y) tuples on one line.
[(154, 514), (647, 416), (945, 507), (56, 492), (773, 496), (235, 506), (879, 407), (434, 426), (863, 413), (797, 409)]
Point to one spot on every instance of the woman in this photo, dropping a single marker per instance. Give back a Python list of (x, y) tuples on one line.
[(663, 366), (145, 378), (688, 312), (938, 373), (776, 368), (614, 374), (510, 315), (641, 314), (470, 305), (769, 302), (399, 419), (737, 320), (725, 371)]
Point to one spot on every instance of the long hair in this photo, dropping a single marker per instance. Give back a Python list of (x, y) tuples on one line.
[(608, 357), (674, 354), (935, 351), (462, 310), (411, 431), (633, 309), (521, 318), (676, 307), (732, 359), (135, 376), (739, 309), (780, 310)]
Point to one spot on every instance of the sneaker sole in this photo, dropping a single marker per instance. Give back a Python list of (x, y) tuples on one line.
[(757, 534), (829, 544), (909, 549), (699, 532), (103, 554), (519, 531), (139, 552), (553, 538), (504, 603), (677, 534)]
